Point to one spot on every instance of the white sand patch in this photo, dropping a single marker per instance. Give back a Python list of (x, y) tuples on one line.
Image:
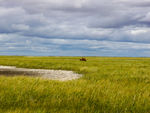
[(61, 75), (7, 67)]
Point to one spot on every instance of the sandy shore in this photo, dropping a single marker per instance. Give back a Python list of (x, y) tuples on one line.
[(61, 75)]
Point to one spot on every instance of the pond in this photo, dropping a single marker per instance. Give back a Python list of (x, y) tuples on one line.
[(61, 75)]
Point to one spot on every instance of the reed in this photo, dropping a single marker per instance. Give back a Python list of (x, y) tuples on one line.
[(108, 85)]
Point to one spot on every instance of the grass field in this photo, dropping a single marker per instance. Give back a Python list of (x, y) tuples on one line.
[(108, 85)]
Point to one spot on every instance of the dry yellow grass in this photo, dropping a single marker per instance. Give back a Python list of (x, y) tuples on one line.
[(109, 85)]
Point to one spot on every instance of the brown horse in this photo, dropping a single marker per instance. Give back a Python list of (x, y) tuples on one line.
[(83, 59)]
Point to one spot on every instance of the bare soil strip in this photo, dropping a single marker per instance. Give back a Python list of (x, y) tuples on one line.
[(61, 75)]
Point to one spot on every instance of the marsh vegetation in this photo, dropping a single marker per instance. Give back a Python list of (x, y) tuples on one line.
[(109, 85)]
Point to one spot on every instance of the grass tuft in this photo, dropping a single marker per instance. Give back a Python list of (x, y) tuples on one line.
[(109, 85)]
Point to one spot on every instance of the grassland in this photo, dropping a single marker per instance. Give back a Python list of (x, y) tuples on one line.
[(109, 85)]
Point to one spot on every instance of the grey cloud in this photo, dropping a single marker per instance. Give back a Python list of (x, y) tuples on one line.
[(60, 22), (97, 14), (35, 46)]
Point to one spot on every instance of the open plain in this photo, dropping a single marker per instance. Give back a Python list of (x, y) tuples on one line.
[(108, 85)]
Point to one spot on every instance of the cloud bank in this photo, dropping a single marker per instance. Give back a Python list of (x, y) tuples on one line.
[(79, 27)]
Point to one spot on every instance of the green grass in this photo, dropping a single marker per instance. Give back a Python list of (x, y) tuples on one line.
[(108, 85)]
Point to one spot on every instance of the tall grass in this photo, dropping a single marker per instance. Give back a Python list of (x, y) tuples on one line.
[(108, 85)]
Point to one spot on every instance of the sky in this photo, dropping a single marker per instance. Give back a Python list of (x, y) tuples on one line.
[(75, 28)]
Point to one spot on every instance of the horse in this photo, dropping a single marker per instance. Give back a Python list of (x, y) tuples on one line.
[(83, 59)]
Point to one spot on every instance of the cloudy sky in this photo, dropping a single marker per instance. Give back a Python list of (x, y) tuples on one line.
[(75, 27)]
